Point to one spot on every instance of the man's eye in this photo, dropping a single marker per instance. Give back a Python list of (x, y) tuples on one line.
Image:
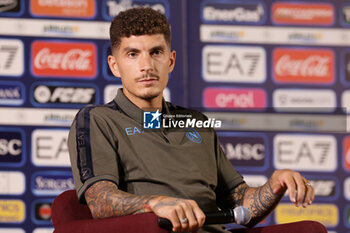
[(157, 52), (131, 54)]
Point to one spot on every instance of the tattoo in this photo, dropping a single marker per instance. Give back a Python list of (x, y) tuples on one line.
[(238, 195), (106, 200)]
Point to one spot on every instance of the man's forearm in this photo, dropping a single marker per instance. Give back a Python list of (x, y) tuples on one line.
[(260, 201), (106, 200)]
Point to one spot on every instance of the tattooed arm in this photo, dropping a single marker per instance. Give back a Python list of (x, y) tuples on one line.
[(106, 200), (261, 201)]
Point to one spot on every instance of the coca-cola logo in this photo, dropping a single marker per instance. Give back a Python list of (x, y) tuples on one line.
[(303, 65), (60, 59)]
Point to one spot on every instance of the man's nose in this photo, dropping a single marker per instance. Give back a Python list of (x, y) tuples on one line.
[(146, 63)]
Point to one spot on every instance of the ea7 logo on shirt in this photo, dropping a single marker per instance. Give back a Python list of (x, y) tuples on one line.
[(234, 64), (305, 152), (151, 120), (65, 94), (11, 57), (49, 148)]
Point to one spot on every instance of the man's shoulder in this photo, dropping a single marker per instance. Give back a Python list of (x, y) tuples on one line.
[(98, 109), (176, 109)]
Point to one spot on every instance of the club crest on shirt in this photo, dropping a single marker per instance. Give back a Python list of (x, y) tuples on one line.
[(193, 135)]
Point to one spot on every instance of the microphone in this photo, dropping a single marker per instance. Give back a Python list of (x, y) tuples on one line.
[(239, 215)]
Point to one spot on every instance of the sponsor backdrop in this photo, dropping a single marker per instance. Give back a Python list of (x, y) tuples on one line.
[(277, 73)]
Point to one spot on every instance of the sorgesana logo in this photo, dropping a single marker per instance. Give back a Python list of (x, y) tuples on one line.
[(234, 13), (63, 94), (12, 93), (12, 146), (51, 183), (244, 150)]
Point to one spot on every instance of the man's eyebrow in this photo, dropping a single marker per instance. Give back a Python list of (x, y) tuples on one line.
[(159, 47), (129, 49)]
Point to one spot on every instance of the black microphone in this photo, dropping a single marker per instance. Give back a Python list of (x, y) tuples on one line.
[(239, 215)]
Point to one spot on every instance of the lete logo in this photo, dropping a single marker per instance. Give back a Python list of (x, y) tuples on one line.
[(64, 59), (309, 66)]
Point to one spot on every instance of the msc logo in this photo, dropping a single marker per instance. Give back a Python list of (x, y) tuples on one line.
[(193, 135), (49, 148), (305, 152), (64, 59), (112, 8), (11, 93), (12, 211), (51, 183), (346, 153), (320, 14), (309, 66), (244, 150), (151, 120), (327, 214), (61, 8), (234, 13), (235, 98), (63, 94), (11, 147), (41, 211), (12, 183), (234, 64), (11, 57)]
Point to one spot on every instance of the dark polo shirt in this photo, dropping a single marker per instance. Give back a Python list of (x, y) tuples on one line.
[(107, 142)]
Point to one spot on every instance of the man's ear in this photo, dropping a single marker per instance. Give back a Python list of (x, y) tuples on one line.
[(113, 66), (172, 60)]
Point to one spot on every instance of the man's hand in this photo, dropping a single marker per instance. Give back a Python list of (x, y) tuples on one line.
[(300, 190), (185, 215)]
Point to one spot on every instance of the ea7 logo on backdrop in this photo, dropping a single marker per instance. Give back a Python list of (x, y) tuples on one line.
[(235, 13), (305, 152), (64, 59), (238, 98), (66, 94), (114, 7), (11, 58), (61, 8), (245, 151), (321, 14), (49, 147), (10, 6), (309, 66), (51, 183), (11, 147), (11, 93), (234, 64)]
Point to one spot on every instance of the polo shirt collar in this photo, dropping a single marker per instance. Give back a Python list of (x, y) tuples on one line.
[(130, 109)]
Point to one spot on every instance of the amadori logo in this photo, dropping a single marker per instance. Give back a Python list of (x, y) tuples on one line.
[(63, 94), (64, 59), (64, 8), (327, 214), (235, 98), (302, 65), (293, 13), (12, 211), (12, 93), (241, 13)]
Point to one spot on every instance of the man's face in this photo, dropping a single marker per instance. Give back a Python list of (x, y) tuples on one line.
[(143, 63)]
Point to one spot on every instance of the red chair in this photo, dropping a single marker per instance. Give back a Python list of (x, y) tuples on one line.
[(69, 216)]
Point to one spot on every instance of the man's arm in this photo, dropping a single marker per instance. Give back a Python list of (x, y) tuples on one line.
[(261, 201), (106, 200)]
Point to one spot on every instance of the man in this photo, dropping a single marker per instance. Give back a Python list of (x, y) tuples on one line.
[(120, 170)]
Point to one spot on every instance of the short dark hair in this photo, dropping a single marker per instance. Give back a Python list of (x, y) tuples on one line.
[(138, 21)]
